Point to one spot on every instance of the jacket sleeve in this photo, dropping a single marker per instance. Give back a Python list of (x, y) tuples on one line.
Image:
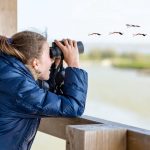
[(34, 101)]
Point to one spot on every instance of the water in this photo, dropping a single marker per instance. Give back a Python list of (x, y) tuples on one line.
[(114, 94), (119, 95)]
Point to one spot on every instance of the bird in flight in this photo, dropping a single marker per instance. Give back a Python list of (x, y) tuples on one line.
[(94, 34), (143, 34), (116, 33), (132, 25)]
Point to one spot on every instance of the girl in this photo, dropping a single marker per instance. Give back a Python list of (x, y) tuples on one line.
[(24, 59)]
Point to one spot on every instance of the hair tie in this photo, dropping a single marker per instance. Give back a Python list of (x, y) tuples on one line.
[(9, 40)]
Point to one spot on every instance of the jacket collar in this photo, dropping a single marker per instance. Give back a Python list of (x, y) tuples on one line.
[(14, 62)]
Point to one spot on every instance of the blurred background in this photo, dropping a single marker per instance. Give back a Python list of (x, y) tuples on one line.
[(118, 65)]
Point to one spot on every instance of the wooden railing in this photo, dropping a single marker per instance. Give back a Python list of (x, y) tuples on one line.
[(88, 133)]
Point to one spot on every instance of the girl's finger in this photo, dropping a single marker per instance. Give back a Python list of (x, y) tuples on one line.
[(70, 42), (65, 42)]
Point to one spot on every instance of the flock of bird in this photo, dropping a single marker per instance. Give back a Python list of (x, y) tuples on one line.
[(121, 33)]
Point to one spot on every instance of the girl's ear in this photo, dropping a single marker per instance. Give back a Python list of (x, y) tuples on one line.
[(35, 64)]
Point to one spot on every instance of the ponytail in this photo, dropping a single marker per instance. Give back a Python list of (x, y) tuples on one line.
[(6, 47)]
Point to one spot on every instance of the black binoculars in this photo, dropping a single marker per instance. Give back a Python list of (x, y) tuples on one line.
[(55, 51)]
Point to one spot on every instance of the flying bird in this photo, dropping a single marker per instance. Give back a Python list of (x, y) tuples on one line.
[(132, 25), (94, 34), (143, 34), (116, 33)]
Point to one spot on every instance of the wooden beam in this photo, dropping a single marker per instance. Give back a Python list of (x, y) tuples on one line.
[(8, 17), (57, 126), (137, 141)]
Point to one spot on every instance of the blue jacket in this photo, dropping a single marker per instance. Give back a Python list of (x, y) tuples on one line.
[(23, 102)]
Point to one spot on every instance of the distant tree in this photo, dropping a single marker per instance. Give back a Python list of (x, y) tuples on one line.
[(94, 54), (135, 56), (108, 53)]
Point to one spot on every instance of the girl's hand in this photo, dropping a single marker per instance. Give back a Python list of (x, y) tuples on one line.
[(70, 52)]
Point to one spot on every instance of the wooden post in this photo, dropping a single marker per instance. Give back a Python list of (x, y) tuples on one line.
[(8, 17), (95, 137)]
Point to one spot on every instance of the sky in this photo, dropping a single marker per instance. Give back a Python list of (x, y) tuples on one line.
[(77, 18)]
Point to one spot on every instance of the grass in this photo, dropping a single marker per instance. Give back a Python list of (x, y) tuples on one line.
[(132, 64)]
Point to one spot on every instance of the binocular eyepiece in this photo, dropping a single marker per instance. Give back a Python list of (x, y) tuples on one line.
[(55, 51)]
